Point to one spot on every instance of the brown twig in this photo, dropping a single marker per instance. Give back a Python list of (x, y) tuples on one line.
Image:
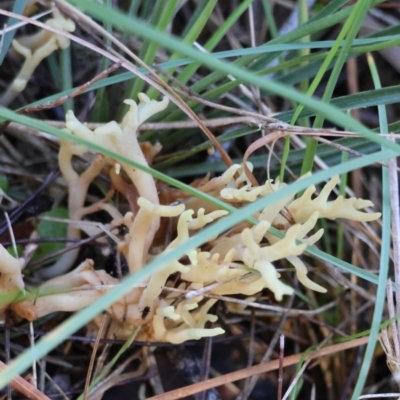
[(93, 356)]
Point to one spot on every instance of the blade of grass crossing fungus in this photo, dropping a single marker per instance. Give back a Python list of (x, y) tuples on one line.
[(385, 252)]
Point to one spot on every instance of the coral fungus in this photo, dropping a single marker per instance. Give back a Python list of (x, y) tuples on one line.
[(240, 261)]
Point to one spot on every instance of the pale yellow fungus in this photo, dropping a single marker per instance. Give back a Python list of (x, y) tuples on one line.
[(122, 139), (11, 279), (78, 186), (139, 241), (240, 261), (244, 194), (204, 219), (302, 208)]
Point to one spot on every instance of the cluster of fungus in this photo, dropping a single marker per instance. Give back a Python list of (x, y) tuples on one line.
[(238, 262)]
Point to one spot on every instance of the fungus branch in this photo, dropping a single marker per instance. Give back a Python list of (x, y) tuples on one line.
[(11, 280)]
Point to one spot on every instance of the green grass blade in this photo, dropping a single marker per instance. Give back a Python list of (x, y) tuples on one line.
[(191, 69), (369, 98), (101, 107), (162, 15), (329, 9), (385, 254), (191, 35), (132, 11), (66, 75), (270, 19)]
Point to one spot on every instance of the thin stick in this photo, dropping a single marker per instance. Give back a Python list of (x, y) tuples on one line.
[(55, 385), (247, 387), (93, 356), (392, 315), (205, 366)]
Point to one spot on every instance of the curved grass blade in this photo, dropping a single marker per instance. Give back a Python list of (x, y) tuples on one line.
[(385, 253)]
